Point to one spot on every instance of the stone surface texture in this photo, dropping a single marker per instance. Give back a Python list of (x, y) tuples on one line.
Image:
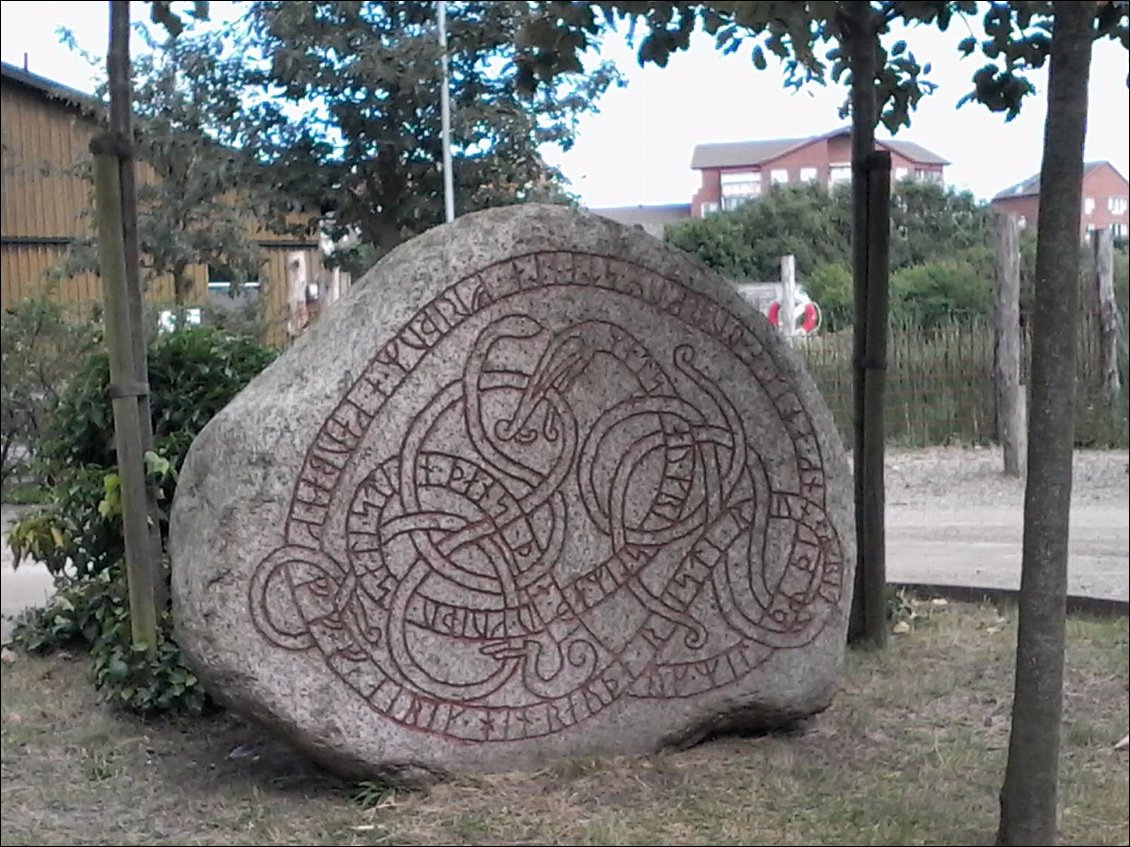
[(538, 486)]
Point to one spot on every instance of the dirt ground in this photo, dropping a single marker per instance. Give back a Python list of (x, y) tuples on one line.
[(912, 751), (954, 519)]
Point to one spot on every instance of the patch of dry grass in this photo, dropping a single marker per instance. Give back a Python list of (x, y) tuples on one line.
[(912, 752)]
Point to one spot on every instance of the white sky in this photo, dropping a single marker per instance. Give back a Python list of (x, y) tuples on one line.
[(638, 148)]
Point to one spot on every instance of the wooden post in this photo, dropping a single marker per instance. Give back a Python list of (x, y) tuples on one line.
[(862, 22), (869, 468), (297, 314), (1103, 245), (1011, 401), (124, 391), (786, 319), (121, 124)]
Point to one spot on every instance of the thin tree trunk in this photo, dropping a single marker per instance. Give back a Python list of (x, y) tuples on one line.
[(1030, 792), (121, 124), (867, 623)]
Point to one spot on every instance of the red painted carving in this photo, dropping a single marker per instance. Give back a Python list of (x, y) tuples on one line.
[(580, 516)]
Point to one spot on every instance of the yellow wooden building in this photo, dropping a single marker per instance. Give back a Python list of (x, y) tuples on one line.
[(46, 129)]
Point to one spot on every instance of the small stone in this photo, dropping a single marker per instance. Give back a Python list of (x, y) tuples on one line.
[(8, 656), (541, 487), (901, 628)]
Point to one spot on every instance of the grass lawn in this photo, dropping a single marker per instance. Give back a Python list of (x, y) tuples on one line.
[(912, 752)]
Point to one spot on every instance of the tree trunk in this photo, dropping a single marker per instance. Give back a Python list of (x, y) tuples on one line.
[(121, 124), (867, 622), (1006, 315), (1030, 792)]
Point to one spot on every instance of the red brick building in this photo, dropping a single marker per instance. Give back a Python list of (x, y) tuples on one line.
[(736, 172), (1106, 200)]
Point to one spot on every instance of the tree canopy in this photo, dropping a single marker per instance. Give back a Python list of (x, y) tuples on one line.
[(941, 257), (340, 102)]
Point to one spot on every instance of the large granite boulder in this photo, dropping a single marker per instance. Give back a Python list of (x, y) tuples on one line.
[(538, 486)]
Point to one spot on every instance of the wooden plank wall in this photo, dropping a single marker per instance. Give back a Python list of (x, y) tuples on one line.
[(42, 203)]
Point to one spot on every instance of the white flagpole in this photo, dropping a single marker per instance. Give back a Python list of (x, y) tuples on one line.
[(445, 110)]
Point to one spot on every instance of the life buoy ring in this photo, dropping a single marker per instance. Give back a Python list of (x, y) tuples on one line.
[(806, 317)]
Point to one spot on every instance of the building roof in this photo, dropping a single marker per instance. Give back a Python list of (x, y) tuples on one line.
[(914, 152), (51, 89), (737, 153), (643, 215), (1031, 186)]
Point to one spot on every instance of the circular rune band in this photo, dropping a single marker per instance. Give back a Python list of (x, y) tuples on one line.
[(451, 592)]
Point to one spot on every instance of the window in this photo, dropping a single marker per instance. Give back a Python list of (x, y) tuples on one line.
[(1118, 231), (779, 176), (840, 174), (1021, 222), (927, 175), (709, 209), (226, 295), (1117, 205), (167, 319), (739, 187), (900, 174), (808, 174), (1088, 205)]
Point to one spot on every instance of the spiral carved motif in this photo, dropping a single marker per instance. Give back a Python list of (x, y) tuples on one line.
[(578, 516)]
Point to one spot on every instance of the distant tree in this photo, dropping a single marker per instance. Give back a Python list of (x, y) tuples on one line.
[(940, 228), (341, 102), (929, 222), (829, 285), (748, 242), (202, 202), (938, 292)]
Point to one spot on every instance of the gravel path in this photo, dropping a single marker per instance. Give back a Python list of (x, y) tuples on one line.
[(954, 519)]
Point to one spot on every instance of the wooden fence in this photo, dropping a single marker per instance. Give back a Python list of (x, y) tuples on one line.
[(940, 385)]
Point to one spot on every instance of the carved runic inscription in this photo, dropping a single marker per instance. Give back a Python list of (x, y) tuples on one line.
[(575, 512)]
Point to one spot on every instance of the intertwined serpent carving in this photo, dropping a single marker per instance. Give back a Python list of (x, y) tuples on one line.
[(580, 516)]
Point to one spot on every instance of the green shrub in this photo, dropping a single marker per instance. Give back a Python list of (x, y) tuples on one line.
[(192, 375), (78, 535), (93, 613), (941, 292), (38, 350), (830, 287)]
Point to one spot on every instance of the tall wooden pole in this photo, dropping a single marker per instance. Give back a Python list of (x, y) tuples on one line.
[(121, 125), (787, 314), (1011, 407), (445, 115), (124, 391), (1103, 246), (867, 622), (874, 373)]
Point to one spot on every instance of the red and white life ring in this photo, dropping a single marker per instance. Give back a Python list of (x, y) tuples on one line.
[(806, 317)]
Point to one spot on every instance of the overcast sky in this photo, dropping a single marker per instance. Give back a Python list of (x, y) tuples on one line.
[(637, 150)]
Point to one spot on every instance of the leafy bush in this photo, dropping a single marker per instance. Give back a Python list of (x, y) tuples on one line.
[(38, 350), (830, 286), (938, 293), (78, 535), (929, 223), (192, 375), (93, 613)]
